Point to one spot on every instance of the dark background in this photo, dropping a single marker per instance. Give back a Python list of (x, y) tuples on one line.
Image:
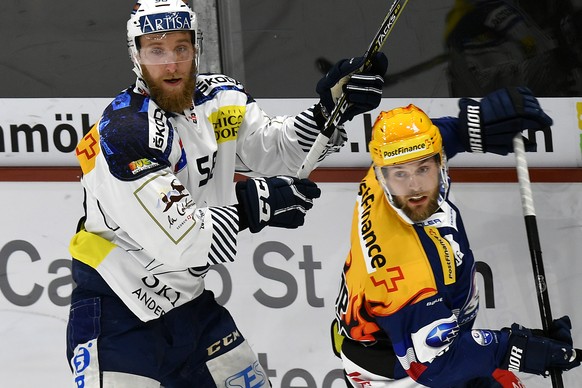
[(279, 48)]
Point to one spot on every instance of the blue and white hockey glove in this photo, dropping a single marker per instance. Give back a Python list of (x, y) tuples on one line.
[(279, 201), (363, 90), (537, 354), (491, 124)]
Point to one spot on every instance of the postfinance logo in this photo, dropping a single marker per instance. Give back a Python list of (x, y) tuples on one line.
[(446, 255), (226, 122)]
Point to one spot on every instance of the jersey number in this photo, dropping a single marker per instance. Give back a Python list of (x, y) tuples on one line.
[(206, 168)]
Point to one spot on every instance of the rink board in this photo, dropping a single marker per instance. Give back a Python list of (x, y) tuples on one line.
[(282, 288)]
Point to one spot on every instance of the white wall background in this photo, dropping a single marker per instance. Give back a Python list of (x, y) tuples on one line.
[(282, 288)]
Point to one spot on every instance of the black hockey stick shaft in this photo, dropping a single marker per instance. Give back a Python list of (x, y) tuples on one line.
[(324, 65), (340, 107), (533, 240)]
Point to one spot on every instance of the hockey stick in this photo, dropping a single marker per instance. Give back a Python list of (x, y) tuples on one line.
[(533, 240), (325, 65), (340, 107)]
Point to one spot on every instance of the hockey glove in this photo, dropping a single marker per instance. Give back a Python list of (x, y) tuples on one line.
[(491, 124), (560, 330), (280, 201), (531, 353), (363, 90)]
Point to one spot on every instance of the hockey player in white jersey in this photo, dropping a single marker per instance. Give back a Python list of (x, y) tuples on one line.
[(160, 208)]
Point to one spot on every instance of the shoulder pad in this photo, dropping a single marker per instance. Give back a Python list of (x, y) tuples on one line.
[(208, 85), (135, 136)]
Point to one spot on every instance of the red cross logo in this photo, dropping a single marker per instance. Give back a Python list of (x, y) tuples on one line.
[(397, 275)]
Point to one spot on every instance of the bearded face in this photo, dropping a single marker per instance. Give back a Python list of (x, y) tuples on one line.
[(172, 92), (418, 207), (169, 68), (414, 187)]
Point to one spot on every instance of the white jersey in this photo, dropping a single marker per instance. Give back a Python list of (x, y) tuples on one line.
[(159, 187)]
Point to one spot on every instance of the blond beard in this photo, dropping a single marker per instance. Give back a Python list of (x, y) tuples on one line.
[(174, 102), (421, 214)]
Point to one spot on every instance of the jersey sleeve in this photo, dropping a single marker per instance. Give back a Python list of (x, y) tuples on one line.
[(136, 200), (448, 126), (278, 144), (430, 345), (265, 144)]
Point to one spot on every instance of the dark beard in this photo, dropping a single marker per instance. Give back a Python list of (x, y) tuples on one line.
[(418, 215), (175, 102)]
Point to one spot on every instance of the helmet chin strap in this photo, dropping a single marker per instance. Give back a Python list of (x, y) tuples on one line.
[(137, 69), (140, 83), (389, 198), (400, 212)]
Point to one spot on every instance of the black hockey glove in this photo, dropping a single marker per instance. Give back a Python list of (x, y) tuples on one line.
[(491, 124), (532, 353), (363, 90), (560, 330), (280, 201)]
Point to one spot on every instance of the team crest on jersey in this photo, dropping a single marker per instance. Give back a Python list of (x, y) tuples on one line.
[(172, 211), (174, 196)]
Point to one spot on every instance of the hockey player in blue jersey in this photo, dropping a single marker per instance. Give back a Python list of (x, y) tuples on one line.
[(161, 208), (408, 296)]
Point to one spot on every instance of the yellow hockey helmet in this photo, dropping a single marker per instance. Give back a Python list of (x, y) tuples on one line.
[(403, 135)]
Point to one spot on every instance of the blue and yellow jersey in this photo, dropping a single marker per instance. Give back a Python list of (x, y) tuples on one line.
[(412, 286)]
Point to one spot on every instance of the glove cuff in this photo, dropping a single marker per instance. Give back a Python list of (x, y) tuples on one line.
[(320, 115), (470, 125), (242, 217), (245, 206), (522, 342)]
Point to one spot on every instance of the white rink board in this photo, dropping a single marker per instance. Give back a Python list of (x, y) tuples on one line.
[(44, 131), (282, 289)]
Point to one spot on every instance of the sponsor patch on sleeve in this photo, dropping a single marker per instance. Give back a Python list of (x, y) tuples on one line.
[(226, 122), (482, 337), (88, 149), (434, 338)]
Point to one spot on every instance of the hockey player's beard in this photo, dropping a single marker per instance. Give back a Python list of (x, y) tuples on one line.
[(172, 102), (418, 213)]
